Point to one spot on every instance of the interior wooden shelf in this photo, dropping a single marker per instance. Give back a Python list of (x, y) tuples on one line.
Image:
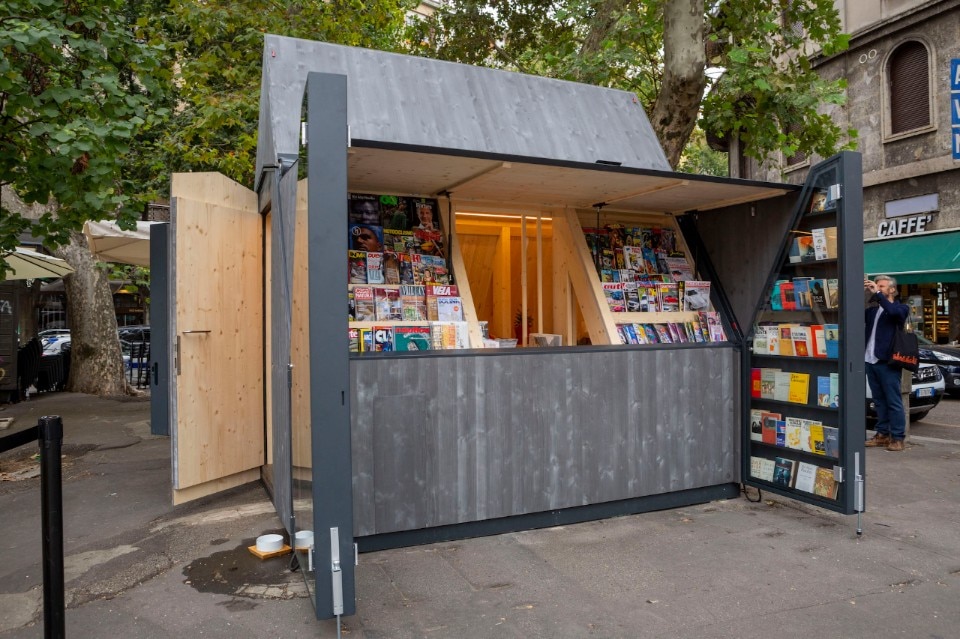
[(655, 318)]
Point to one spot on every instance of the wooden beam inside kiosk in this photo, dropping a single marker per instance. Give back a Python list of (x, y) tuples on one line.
[(508, 263)]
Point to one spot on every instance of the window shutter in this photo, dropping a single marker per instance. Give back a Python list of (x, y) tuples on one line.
[(909, 88)]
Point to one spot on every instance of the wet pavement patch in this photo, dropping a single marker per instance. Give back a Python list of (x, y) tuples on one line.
[(238, 573)]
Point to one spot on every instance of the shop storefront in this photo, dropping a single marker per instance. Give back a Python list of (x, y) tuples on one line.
[(927, 268)]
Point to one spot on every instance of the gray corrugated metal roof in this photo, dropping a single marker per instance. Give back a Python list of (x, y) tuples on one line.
[(406, 100)]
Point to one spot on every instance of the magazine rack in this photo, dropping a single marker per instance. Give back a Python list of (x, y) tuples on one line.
[(804, 423), (622, 302)]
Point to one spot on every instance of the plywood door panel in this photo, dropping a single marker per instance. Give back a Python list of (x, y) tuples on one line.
[(218, 289), (300, 341)]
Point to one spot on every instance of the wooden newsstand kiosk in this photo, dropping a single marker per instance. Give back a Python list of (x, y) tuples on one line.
[(387, 449)]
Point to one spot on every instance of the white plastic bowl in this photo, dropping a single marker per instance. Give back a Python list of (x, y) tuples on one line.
[(304, 539), (269, 543)]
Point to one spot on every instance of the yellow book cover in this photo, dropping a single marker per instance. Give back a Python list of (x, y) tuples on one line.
[(824, 484), (799, 388), (817, 444), (786, 341)]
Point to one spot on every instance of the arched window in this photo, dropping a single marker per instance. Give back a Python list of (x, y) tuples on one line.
[(908, 77)]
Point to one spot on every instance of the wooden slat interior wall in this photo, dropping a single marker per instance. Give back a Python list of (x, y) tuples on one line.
[(444, 440), (492, 260)]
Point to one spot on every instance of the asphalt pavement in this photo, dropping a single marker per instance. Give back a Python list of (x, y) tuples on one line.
[(137, 567)]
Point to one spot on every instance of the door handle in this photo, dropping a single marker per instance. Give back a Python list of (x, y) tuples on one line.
[(177, 356)]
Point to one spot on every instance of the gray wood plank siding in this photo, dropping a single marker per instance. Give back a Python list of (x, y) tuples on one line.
[(283, 220), (453, 439), (743, 242), (417, 101)]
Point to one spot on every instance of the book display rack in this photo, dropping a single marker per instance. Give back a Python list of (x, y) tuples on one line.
[(803, 438)]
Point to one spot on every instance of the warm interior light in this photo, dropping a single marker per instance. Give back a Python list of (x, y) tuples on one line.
[(503, 215)]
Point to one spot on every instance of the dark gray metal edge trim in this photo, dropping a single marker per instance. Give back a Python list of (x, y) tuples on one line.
[(546, 519)]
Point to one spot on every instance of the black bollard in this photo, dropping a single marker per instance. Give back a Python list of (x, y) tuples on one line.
[(51, 497)]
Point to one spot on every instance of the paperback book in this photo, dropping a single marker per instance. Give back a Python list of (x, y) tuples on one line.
[(383, 338), (679, 269), (614, 294), (696, 295), (388, 304), (412, 338), (375, 268), (413, 302), (364, 304), (357, 267)]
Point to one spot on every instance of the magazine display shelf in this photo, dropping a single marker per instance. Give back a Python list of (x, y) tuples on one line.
[(804, 423)]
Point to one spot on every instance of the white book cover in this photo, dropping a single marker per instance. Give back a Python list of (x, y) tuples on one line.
[(449, 309), (820, 244), (766, 469), (781, 389), (806, 476)]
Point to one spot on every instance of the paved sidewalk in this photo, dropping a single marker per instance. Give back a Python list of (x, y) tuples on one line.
[(138, 567)]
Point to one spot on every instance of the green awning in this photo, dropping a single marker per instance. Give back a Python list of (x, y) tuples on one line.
[(918, 259)]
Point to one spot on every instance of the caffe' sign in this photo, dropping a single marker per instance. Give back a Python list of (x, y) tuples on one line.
[(904, 226)]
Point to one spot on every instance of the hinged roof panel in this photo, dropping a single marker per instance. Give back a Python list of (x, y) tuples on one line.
[(405, 100)]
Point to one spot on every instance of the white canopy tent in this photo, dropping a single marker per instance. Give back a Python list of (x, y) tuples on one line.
[(25, 264), (109, 243)]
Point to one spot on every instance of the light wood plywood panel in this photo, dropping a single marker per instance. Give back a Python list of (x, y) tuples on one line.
[(268, 333), (478, 251), (573, 257), (492, 255), (517, 183), (218, 284), (300, 339)]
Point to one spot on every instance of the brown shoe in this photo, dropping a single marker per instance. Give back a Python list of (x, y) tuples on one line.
[(880, 439), (896, 445)]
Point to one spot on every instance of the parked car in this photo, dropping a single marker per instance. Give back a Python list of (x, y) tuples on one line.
[(947, 358), (51, 332), (54, 342), (134, 334), (926, 391)]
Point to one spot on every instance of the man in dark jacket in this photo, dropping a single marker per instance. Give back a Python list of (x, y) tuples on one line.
[(882, 322)]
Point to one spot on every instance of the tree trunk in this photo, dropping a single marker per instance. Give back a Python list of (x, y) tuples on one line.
[(675, 112), (96, 364), (601, 24)]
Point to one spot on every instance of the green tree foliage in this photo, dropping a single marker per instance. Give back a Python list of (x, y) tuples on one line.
[(768, 93), (76, 88), (216, 47), (700, 159)]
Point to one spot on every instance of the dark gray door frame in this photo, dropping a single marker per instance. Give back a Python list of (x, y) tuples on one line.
[(329, 353), (160, 359)]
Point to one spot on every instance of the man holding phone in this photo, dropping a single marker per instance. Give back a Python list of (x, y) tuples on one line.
[(882, 320)]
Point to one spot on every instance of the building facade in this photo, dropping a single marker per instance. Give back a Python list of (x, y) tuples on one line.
[(903, 97)]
